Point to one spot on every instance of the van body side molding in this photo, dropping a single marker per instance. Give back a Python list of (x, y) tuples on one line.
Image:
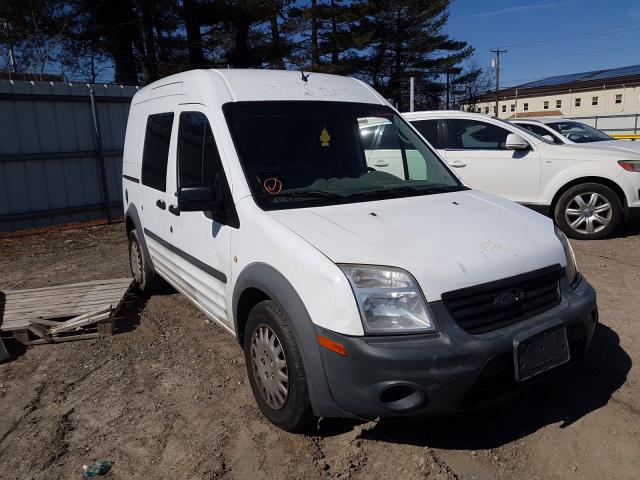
[(217, 274)]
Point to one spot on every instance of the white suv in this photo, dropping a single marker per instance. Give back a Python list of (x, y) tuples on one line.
[(567, 131), (588, 190), (353, 292)]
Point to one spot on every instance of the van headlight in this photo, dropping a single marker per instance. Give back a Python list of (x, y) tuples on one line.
[(389, 300), (572, 268)]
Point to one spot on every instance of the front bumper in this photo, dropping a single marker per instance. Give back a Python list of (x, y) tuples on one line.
[(448, 371)]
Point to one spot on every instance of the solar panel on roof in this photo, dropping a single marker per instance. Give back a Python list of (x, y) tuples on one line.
[(583, 76)]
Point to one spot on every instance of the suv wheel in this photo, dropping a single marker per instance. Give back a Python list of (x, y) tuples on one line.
[(275, 369), (588, 211), (141, 271)]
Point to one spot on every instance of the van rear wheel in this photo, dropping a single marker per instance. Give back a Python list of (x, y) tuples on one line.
[(143, 275), (588, 211), (275, 369)]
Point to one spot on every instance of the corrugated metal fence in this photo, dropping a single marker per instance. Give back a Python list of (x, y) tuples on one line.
[(54, 168)]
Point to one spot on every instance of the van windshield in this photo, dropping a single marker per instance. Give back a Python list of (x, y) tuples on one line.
[(309, 153)]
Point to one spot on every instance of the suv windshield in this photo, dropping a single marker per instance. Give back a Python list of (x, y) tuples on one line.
[(308, 153), (579, 132)]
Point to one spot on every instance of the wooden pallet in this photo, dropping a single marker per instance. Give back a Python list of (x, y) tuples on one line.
[(57, 314)]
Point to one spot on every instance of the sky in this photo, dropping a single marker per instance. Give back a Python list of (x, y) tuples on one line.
[(546, 38)]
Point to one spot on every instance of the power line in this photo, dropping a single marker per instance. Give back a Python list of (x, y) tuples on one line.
[(575, 36)]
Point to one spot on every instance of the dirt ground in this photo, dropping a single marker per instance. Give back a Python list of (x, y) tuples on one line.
[(167, 396)]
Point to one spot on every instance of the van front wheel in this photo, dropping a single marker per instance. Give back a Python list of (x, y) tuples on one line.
[(275, 369)]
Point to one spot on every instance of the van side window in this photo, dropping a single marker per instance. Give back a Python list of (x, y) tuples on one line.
[(156, 150), (368, 135), (198, 157), (475, 135)]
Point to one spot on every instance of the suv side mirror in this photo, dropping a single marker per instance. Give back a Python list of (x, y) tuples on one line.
[(516, 142), (198, 198)]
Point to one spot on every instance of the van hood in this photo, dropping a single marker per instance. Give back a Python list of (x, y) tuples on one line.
[(446, 241)]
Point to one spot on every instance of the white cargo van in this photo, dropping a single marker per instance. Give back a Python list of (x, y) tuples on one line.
[(353, 292)]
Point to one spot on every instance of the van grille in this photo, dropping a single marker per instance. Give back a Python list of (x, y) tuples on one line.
[(494, 305)]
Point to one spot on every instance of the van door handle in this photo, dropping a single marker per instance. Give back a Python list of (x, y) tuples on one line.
[(381, 163), (175, 210), (160, 204), (458, 163)]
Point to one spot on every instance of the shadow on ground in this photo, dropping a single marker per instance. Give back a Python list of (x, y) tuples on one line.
[(630, 229), (564, 398)]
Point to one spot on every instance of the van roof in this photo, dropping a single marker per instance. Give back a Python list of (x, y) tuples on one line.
[(237, 85)]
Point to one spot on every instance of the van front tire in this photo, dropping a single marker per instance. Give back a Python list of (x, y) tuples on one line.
[(275, 370), (143, 275)]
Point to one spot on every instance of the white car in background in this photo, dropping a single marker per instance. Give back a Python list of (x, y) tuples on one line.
[(589, 190), (566, 131)]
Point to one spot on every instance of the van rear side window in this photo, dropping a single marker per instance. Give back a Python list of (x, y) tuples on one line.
[(156, 150)]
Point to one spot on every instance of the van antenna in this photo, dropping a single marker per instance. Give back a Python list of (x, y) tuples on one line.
[(305, 78)]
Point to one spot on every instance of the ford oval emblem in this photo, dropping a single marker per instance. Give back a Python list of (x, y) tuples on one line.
[(510, 298)]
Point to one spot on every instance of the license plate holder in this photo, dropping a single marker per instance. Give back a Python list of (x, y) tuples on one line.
[(537, 352)]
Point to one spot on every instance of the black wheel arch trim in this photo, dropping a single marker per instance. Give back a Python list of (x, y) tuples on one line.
[(132, 214), (272, 283)]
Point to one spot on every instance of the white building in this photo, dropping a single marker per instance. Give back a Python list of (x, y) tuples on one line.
[(614, 91)]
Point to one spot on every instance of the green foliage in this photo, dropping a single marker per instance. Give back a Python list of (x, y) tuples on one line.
[(384, 42)]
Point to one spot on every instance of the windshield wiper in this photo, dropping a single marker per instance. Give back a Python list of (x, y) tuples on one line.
[(304, 194), (407, 191)]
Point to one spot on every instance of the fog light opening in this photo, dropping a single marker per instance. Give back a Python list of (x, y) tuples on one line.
[(401, 397)]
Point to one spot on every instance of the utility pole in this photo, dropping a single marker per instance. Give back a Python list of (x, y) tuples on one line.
[(412, 93), (496, 65)]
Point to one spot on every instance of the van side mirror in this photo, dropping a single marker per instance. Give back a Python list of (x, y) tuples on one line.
[(198, 198), (516, 142)]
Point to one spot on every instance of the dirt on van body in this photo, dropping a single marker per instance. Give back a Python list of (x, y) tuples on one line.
[(167, 396)]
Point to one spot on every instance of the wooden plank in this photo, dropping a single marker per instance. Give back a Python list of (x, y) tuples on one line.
[(79, 307), (111, 289), (87, 318), (64, 303), (46, 323), (22, 336), (72, 285), (105, 328), (42, 296), (13, 325), (76, 304), (39, 330), (79, 323)]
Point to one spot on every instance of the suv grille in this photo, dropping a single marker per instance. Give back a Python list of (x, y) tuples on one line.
[(494, 305)]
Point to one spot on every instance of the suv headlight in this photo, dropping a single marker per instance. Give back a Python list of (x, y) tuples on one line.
[(389, 300), (572, 268)]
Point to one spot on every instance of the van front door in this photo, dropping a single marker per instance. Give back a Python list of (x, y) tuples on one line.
[(478, 153), (204, 244)]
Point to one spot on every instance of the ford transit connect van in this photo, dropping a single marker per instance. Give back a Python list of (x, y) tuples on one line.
[(354, 292)]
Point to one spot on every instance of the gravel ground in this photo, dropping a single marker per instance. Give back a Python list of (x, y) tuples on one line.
[(167, 396)]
